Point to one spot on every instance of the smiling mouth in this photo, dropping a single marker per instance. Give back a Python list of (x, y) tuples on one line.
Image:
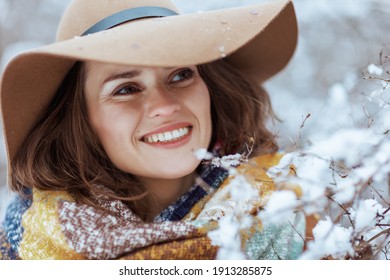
[(168, 136)]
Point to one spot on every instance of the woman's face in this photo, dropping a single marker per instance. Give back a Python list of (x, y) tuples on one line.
[(149, 120)]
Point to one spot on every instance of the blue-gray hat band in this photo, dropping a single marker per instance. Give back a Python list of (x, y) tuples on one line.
[(128, 15)]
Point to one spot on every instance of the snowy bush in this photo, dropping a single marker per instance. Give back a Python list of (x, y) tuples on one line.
[(343, 172)]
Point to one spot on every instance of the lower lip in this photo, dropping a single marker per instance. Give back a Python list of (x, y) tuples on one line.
[(173, 144)]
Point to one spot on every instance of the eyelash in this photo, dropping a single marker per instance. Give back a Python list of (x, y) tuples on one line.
[(181, 71), (133, 88)]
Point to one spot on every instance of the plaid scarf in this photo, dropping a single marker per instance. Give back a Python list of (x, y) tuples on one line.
[(54, 226), (209, 179)]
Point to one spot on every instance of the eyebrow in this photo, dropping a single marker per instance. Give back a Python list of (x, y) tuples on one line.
[(124, 75)]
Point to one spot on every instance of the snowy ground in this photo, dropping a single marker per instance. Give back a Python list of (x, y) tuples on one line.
[(328, 106)]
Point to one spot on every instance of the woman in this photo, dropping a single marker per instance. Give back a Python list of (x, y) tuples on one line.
[(103, 127)]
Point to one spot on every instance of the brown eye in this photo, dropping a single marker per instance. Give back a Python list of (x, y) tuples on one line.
[(127, 89), (182, 75)]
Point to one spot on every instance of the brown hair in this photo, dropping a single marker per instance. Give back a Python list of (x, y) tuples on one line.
[(240, 110), (62, 152)]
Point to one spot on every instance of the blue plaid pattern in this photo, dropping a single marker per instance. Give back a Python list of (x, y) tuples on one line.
[(208, 180)]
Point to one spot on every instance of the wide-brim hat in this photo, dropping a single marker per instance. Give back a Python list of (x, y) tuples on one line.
[(258, 39)]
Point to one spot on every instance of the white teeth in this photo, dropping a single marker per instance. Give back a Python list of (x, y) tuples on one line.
[(175, 134), (167, 136)]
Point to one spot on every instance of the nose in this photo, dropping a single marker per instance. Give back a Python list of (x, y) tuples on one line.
[(162, 103)]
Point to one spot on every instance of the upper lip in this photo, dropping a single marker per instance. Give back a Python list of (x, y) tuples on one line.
[(166, 128)]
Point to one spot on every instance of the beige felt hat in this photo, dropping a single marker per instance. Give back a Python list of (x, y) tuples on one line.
[(258, 39)]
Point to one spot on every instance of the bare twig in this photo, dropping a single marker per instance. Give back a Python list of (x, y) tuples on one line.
[(295, 229), (304, 120), (377, 78), (382, 198), (344, 212), (386, 231)]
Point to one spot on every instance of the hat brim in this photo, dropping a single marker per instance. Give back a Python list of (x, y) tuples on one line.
[(258, 39)]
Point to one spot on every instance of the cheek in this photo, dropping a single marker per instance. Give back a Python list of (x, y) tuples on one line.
[(201, 107), (113, 125), (204, 104), (104, 131), (98, 119)]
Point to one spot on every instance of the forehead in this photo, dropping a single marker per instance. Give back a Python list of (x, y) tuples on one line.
[(98, 74), (93, 67), (101, 70)]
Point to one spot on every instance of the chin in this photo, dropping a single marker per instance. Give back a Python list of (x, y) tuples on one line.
[(176, 174), (177, 171)]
